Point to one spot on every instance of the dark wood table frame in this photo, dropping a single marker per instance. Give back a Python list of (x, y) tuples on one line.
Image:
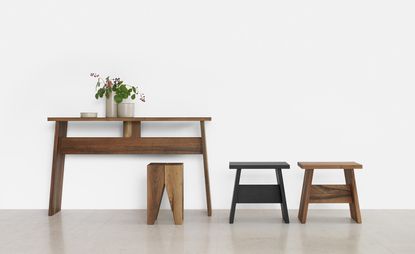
[(130, 143)]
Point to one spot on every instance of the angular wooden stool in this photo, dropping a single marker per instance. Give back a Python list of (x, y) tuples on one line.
[(329, 193), (262, 193), (169, 176)]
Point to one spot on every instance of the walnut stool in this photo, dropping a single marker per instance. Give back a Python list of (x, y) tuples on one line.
[(329, 193), (169, 176)]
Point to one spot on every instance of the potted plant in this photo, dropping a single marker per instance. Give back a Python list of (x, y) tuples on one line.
[(119, 96)]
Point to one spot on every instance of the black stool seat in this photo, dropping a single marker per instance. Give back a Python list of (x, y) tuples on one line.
[(258, 165), (254, 193)]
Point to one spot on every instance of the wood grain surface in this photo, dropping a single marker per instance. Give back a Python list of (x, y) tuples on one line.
[(167, 176), (129, 119), (330, 165)]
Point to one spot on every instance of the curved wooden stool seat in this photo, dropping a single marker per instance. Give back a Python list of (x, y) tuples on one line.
[(169, 176), (329, 193)]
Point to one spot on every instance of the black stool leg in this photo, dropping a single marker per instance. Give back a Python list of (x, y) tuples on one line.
[(235, 195), (283, 200)]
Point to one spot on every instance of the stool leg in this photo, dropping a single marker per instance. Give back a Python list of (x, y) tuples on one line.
[(174, 188), (305, 195), (235, 195), (284, 208), (354, 207), (155, 189)]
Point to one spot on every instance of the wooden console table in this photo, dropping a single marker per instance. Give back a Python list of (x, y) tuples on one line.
[(130, 143)]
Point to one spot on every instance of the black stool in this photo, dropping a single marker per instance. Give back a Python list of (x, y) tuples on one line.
[(249, 193)]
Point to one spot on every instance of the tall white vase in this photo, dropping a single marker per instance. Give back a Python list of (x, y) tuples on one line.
[(110, 106)]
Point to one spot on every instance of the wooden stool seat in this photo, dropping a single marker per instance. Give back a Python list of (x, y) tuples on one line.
[(329, 193), (169, 176), (250, 193), (330, 165)]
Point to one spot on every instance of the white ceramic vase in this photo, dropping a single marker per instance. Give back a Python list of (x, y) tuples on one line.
[(110, 106), (126, 109)]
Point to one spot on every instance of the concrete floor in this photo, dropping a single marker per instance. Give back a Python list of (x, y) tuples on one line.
[(254, 231)]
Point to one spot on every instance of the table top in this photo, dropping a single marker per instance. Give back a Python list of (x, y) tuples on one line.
[(128, 119), (330, 165), (258, 165)]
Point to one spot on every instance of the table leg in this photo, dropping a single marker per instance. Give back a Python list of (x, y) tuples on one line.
[(305, 195), (206, 169), (284, 208), (131, 129), (354, 207), (58, 163), (235, 195)]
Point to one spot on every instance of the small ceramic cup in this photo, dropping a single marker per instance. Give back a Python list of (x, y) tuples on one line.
[(126, 109)]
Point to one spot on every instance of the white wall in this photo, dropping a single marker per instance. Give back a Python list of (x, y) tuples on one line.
[(283, 80)]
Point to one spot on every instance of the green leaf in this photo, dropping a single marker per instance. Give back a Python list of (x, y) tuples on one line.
[(134, 89), (96, 96), (117, 98), (133, 96)]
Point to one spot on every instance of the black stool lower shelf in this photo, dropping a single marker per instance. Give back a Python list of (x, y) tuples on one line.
[(256, 193)]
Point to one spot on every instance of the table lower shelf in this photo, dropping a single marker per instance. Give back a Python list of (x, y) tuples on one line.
[(159, 145)]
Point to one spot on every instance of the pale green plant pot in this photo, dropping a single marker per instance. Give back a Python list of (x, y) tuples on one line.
[(126, 109)]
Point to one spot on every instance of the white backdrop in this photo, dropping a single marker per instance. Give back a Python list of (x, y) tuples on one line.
[(283, 80)]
